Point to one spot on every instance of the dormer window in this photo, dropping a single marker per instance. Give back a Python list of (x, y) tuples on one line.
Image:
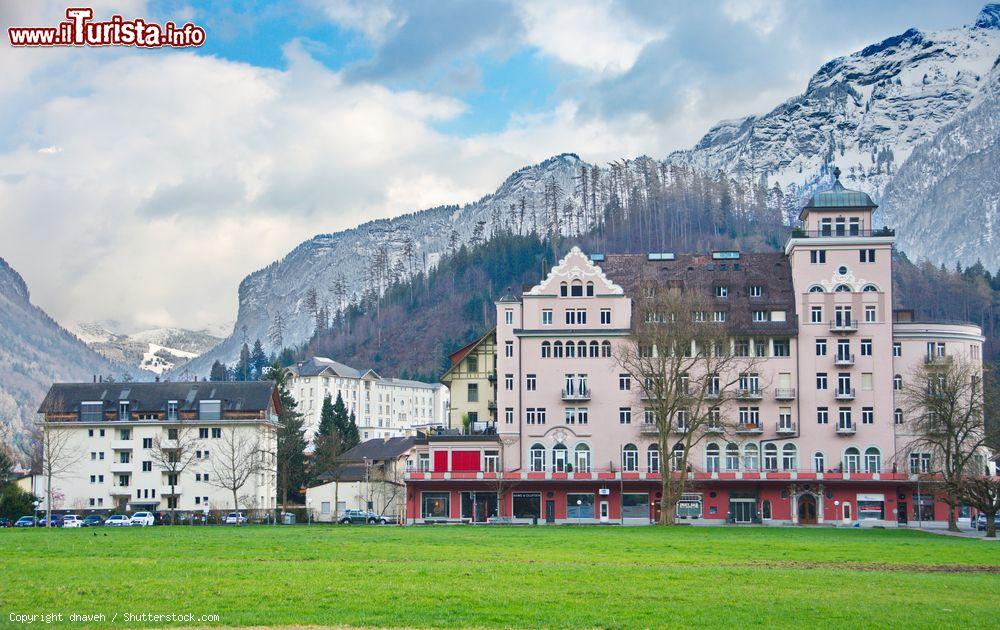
[(172, 410), (124, 407), (590, 289), (210, 410), (576, 289), (563, 290)]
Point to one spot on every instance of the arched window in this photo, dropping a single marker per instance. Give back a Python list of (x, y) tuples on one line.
[(852, 460), (557, 349), (873, 460), (897, 416), (765, 509), (576, 289), (606, 349), (537, 458), (816, 289), (581, 349), (630, 458), (582, 452), (570, 349), (870, 288), (677, 455), (732, 456), (653, 458), (560, 457), (594, 349), (789, 457), (563, 289), (842, 288), (546, 349), (897, 382), (712, 457), (590, 289), (819, 462), (751, 456), (770, 457)]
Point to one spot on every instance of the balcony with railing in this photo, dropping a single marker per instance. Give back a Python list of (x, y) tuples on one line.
[(844, 360), (937, 359), (752, 393), (845, 394), (576, 393), (847, 428), (120, 491), (844, 326), (749, 428), (784, 393), (649, 428), (846, 232), (785, 427)]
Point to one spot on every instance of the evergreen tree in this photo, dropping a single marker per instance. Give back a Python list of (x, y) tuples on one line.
[(327, 442), (291, 459), (219, 372), (351, 437), (243, 370), (258, 361)]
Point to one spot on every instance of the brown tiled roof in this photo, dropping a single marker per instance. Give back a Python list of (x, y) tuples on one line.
[(702, 273)]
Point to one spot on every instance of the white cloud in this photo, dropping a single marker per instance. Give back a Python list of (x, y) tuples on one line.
[(595, 35), (762, 16), (372, 18)]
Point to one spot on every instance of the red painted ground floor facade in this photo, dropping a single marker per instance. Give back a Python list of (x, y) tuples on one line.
[(768, 499)]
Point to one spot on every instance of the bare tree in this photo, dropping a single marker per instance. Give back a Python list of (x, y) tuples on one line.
[(60, 455), (384, 485), (173, 455), (501, 485), (235, 462), (983, 493), (276, 331), (689, 372), (944, 403)]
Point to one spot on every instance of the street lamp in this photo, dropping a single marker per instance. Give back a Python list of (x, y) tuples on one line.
[(36, 503), (579, 516)]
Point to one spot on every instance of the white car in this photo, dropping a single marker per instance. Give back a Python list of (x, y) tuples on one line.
[(142, 519), (235, 518), (118, 520), (72, 520)]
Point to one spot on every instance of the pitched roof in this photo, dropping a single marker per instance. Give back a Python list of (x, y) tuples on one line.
[(378, 449), (316, 365), (457, 356), (235, 396), (702, 273)]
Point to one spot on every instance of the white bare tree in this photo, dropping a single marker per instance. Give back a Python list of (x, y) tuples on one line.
[(235, 462)]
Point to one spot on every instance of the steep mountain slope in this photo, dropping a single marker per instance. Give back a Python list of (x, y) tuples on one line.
[(280, 291), (35, 351), (157, 350), (865, 112), (947, 194)]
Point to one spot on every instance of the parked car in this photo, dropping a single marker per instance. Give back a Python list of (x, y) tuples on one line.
[(235, 518), (360, 517), (981, 522), (92, 520), (25, 521), (6, 522), (72, 520), (142, 519), (118, 520), (57, 521)]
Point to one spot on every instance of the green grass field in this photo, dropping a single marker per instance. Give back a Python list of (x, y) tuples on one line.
[(462, 576)]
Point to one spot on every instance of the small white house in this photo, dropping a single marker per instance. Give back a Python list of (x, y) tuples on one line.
[(369, 476)]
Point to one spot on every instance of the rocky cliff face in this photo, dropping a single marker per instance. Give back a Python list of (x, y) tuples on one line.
[(35, 352), (866, 113), (280, 291), (157, 350)]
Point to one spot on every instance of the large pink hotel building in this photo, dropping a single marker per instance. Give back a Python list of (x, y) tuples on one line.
[(822, 435)]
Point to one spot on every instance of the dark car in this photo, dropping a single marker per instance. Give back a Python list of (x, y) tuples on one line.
[(6, 522), (92, 520), (981, 522), (25, 521), (57, 521)]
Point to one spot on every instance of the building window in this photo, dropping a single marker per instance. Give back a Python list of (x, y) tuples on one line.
[(897, 382), (557, 350), (605, 315), (508, 316), (789, 457), (732, 457), (547, 317), (821, 380), (216, 432), (147, 442), (920, 463), (210, 410), (546, 350), (508, 415), (508, 382), (782, 348), (147, 466), (821, 347), (606, 349), (751, 456), (756, 290), (822, 415), (721, 292), (817, 256), (537, 458), (873, 460), (491, 461), (579, 506), (897, 416), (172, 414), (866, 347), (759, 316), (435, 505), (527, 504), (624, 382), (867, 255), (508, 349), (530, 382), (870, 314), (819, 462), (897, 349), (624, 415), (770, 457), (630, 458), (653, 458), (867, 415), (816, 314), (719, 316)]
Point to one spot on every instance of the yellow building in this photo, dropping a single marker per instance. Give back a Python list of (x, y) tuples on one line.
[(471, 379)]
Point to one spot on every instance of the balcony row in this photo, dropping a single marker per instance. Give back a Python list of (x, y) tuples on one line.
[(779, 393), (780, 427)]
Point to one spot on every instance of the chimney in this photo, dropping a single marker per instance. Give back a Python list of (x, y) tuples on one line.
[(95, 378), (157, 378)]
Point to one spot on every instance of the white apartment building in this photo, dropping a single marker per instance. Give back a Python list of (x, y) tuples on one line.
[(113, 434), (382, 407)]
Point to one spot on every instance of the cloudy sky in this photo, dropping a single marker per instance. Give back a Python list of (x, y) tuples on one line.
[(141, 186)]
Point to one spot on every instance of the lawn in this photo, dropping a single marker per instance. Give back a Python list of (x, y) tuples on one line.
[(478, 576)]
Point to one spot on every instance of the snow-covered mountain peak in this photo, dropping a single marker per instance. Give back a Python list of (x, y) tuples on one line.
[(989, 17)]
